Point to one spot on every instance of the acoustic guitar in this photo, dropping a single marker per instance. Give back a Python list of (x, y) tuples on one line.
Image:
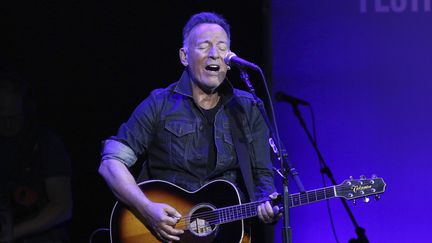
[(214, 213)]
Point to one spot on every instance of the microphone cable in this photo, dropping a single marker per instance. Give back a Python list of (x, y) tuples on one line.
[(97, 231), (329, 211)]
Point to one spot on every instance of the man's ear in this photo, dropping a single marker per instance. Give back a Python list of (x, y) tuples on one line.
[(183, 57)]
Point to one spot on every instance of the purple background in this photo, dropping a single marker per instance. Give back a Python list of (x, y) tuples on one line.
[(367, 73)]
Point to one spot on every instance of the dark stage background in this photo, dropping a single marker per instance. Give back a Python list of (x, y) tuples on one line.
[(92, 62)]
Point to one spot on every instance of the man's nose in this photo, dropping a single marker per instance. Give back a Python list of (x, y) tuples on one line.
[(214, 52)]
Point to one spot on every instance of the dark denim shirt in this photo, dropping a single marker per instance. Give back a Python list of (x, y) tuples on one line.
[(165, 129)]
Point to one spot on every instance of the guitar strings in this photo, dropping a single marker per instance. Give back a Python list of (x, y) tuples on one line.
[(216, 217), (320, 194)]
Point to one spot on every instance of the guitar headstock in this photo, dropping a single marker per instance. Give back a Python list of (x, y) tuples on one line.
[(363, 187)]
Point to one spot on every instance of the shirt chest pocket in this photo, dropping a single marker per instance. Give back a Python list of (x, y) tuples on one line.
[(180, 128), (180, 135)]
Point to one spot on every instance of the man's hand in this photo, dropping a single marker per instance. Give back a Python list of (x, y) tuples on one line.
[(268, 214), (159, 218), (162, 218)]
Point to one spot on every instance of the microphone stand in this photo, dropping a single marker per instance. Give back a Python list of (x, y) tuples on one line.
[(326, 170), (282, 156)]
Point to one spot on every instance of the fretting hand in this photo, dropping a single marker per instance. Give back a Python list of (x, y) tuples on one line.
[(267, 213)]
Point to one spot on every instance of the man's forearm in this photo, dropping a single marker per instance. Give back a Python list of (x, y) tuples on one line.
[(122, 183)]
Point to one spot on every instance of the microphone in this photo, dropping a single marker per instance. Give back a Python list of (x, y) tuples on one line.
[(280, 96), (231, 59)]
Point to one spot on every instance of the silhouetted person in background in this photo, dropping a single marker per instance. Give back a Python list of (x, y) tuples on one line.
[(35, 171)]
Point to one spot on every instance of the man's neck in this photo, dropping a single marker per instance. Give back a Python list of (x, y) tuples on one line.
[(205, 100)]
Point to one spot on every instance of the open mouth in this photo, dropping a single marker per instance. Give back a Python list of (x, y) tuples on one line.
[(212, 67)]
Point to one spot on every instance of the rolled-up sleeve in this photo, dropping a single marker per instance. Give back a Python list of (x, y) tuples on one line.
[(113, 149)]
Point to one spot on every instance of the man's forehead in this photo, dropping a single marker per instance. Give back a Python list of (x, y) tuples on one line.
[(207, 30)]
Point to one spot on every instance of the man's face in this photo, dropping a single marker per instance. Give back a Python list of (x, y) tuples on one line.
[(207, 46)]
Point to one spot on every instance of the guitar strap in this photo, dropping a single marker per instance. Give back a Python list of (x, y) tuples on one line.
[(234, 112)]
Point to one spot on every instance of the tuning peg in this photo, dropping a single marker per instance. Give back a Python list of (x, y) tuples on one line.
[(366, 199), (377, 197), (351, 178), (362, 177), (374, 176)]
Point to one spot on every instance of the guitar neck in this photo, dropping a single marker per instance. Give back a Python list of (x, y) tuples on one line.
[(249, 210), (237, 212), (307, 197)]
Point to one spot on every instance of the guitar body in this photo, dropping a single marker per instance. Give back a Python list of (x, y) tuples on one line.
[(195, 207), (214, 212)]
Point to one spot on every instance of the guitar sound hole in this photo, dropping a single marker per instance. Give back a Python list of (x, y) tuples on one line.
[(203, 220)]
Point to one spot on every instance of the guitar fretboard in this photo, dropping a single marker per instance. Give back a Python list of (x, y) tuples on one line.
[(248, 210), (299, 199)]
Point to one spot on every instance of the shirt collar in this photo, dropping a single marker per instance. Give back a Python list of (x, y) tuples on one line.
[(184, 87)]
